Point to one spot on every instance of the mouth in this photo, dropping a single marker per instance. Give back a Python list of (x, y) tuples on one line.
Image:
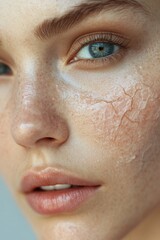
[(51, 191)]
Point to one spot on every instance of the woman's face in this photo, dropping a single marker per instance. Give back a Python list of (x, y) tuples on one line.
[(81, 98)]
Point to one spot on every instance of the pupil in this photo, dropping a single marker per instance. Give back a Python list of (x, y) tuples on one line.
[(100, 49)]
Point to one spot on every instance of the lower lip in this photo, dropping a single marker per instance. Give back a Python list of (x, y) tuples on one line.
[(62, 201)]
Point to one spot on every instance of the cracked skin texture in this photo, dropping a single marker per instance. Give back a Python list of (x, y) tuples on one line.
[(106, 120)]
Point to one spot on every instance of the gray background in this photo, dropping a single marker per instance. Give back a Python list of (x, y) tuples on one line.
[(13, 226)]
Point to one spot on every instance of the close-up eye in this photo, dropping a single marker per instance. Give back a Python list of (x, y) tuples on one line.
[(97, 49), (4, 69)]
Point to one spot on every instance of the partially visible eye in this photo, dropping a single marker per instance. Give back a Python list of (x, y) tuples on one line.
[(97, 50), (4, 69)]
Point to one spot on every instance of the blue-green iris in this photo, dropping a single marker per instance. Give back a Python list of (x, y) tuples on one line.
[(101, 49)]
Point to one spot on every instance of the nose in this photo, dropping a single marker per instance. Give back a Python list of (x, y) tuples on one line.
[(36, 116)]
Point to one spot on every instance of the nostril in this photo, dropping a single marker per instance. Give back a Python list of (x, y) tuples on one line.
[(47, 140)]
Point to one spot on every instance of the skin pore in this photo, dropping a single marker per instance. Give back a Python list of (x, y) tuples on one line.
[(97, 118)]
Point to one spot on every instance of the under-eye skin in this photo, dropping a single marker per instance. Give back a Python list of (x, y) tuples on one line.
[(98, 49), (4, 70)]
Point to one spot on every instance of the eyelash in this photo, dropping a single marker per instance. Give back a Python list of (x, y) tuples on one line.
[(107, 37)]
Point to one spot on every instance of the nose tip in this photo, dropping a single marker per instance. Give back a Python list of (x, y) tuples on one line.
[(29, 134)]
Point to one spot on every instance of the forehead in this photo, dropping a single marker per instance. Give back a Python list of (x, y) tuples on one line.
[(25, 15), (36, 10), (28, 9)]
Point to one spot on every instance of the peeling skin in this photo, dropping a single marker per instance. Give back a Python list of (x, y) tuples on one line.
[(125, 111), (121, 122)]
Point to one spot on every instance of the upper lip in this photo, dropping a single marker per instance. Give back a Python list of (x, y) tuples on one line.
[(50, 176)]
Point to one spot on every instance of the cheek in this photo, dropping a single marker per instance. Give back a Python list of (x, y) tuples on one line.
[(125, 124)]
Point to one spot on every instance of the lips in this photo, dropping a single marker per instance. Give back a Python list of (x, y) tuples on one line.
[(51, 191)]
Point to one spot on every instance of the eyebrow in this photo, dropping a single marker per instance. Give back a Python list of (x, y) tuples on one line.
[(78, 13)]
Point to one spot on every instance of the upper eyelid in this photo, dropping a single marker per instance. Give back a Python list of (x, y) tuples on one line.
[(102, 35), (96, 36)]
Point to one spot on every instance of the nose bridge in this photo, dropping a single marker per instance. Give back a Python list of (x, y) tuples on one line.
[(35, 90), (29, 92), (29, 95), (35, 116)]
